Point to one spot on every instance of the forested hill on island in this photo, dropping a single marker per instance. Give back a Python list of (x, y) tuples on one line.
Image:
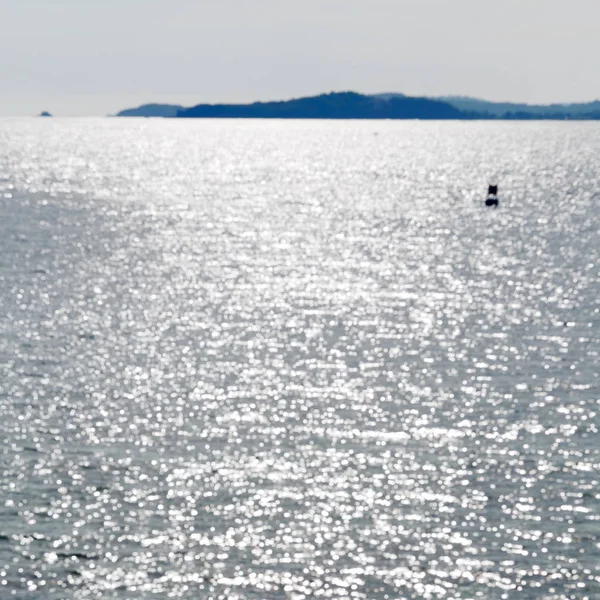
[(344, 105), (152, 110), (351, 105)]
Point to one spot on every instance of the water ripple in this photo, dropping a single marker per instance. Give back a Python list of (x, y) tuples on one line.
[(298, 360)]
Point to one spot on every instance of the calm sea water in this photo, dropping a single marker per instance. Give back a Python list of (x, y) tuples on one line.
[(297, 360)]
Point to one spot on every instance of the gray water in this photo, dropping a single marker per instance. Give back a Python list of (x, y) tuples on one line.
[(293, 360)]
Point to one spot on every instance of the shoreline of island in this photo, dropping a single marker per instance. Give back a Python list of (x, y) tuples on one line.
[(390, 106)]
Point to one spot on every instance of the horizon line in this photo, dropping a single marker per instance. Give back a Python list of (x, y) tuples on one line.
[(448, 98)]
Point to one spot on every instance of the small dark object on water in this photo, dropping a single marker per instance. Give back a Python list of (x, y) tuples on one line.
[(45, 113), (492, 197)]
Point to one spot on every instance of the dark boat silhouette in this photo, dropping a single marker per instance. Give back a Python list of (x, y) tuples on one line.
[(492, 197)]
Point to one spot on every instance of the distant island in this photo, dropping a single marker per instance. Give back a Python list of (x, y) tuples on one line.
[(152, 110), (44, 113), (351, 105), (514, 111), (341, 105)]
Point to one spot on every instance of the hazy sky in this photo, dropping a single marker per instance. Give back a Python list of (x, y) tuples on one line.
[(92, 57)]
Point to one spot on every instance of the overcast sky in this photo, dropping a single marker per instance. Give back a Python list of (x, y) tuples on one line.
[(93, 57)]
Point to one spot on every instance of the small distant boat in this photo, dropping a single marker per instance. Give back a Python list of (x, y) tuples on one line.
[(492, 197)]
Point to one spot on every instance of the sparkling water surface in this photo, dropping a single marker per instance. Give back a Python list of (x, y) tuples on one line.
[(296, 360)]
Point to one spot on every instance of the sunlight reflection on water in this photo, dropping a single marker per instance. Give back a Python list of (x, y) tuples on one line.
[(299, 360)]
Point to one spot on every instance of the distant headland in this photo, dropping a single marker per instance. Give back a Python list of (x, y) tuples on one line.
[(152, 110), (44, 113), (351, 105)]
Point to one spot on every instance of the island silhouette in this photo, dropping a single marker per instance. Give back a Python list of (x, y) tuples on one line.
[(152, 110), (352, 105)]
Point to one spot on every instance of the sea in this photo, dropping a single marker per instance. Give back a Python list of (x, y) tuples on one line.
[(299, 360)]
